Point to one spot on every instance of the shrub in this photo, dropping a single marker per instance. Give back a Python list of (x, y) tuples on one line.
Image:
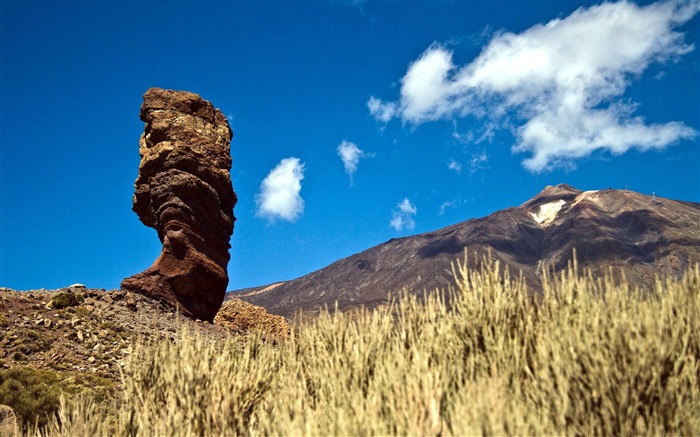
[(35, 394), (28, 341), (66, 299), (591, 357)]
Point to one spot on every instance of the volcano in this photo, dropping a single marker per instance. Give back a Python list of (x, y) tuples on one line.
[(617, 231)]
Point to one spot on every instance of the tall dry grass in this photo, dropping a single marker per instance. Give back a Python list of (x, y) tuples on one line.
[(589, 357)]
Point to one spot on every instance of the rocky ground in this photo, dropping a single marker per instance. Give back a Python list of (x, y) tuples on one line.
[(83, 330)]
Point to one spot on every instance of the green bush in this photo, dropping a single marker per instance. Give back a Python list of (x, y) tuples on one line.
[(66, 299), (33, 394), (30, 342), (26, 342)]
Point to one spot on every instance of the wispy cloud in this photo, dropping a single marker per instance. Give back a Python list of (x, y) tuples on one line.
[(454, 165), (351, 155), (447, 204), (382, 111), (355, 3), (402, 215), (561, 82), (477, 162), (279, 196)]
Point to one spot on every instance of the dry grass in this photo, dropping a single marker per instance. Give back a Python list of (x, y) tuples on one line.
[(589, 358)]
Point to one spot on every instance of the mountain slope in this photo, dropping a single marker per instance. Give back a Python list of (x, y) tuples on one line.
[(615, 229)]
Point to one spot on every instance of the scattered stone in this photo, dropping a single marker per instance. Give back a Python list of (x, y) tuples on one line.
[(65, 338), (184, 191), (98, 348), (131, 301), (8, 420)]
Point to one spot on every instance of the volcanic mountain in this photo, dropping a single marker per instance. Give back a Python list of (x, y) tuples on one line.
[(620, 230)]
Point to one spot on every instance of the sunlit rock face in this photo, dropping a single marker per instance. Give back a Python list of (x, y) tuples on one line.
[(184, 191)]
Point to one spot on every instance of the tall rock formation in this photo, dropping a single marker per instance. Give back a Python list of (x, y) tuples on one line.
[(184, 191)]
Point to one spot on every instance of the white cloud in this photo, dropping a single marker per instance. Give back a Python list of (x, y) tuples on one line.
[(402, 215), (447, 204), (380, 110), (562, 82), (279, 192), (477, 162), (351, 155), (454, 165)]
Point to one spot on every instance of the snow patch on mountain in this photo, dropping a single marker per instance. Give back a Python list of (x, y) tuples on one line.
[(547, 212)]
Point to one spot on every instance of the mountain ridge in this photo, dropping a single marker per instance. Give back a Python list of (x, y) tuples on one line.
[(610, 229)]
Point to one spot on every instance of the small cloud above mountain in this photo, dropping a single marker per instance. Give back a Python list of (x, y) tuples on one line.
[(350, 154), (402, 215), (279, 196)]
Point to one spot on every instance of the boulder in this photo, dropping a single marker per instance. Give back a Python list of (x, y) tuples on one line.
[(241, 317), (8, 421), (183, 190)]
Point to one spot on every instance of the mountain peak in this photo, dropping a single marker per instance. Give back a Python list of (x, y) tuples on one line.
[(553, 193), (610, 230)]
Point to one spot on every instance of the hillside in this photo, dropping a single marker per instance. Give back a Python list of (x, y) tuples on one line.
[(81, 330), (618, 229)]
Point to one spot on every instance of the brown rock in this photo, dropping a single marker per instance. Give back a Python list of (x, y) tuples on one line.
[(184, 191), (241, 317), (131, 301), (8, 421)]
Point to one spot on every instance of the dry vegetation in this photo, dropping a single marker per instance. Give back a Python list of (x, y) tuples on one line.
[(588, 358)]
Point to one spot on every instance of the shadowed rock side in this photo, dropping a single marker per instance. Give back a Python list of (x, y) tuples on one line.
[(184, 191), (610, 229)]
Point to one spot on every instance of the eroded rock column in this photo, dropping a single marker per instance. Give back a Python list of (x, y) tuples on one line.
[(184, 191)]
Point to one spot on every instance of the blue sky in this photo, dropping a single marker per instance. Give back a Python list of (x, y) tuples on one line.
[(354, 121)]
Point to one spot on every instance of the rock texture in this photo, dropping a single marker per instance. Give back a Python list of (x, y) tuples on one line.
[(184, 191), (609, 229), (240, 317), (8, 421)]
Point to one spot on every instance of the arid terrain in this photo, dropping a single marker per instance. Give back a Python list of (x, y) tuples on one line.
[(90, 331)]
